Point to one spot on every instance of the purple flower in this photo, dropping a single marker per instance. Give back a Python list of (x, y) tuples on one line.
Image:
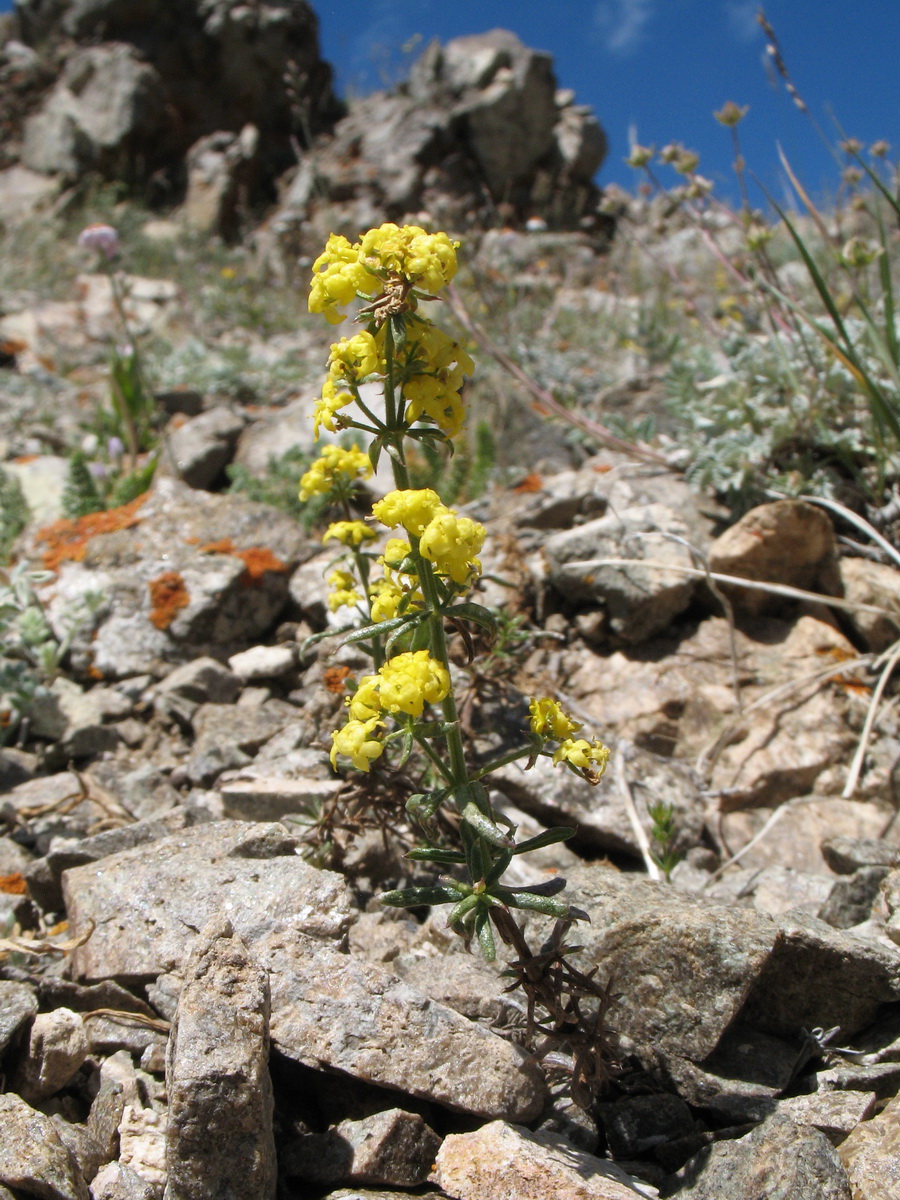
[(102, 238), (115, 447)]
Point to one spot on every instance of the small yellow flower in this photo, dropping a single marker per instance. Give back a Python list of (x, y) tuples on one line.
[(328, 405), (386, 596), (357, 742), (343, 590), (589, 757), (412, 680), (348, 533), (354, 359), (452, 544), (338, 275), (365, 702), (427, 260), (412, 508), (334, 467), (550, 720)]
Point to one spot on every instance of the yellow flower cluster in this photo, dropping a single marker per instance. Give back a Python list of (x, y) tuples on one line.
[(343, 590), (427, 261), (334, 466), (404, 684), (450, 542), (357, 741), (387, 595), (550, 720), (348, 533), (434, 368)]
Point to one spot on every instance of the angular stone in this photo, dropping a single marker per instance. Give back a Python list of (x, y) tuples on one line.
[(871, 1155), (148, 904), (686, 969), (332, 1010), (217, 1075), (262, 662), (202, 446), (117, 1086), (787, 542), (506, 1162), (118, 1182), (836, 1114), (639, 601), (778, 1158), (18, 1004), (396, 1148), (142, 1143), (57, 1046), (33, 1159)]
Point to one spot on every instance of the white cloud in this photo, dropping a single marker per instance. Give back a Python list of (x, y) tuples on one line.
[(621, 23), (741, 16)]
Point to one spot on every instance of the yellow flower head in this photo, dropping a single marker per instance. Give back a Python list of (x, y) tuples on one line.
[(588, 757), (334, 467), (387, 595), (452, 543), (427, 260), (365, 703), (357, 742), (412, 680), (342, 591), (348, 533), (550, 720), (338, 274), (328, 405), (354, 359), (412, 508)]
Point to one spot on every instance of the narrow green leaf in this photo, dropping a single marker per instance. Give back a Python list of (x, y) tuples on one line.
[(485, 936), (414, 897), (476, 613), (437, 855), (362, 632), (483, 825), (531, 903), (549, 837)]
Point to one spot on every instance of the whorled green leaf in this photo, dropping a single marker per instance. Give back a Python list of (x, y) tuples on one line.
[(415, 897), (530, 902), (484, 826), (476, 613), (484, 935), (436, 854), (363, 632), (549, 837)]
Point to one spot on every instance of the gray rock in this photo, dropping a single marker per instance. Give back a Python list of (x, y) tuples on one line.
[(300, 781), (501, 1161), (639, 601), (870, 1155), (118, 1182), (195, 574), (836, 1114), (217, 1075), (220, 169), (865, 582), (57, 1046), (395, 1148), (689, 971), (44, 875), (332, 1010), (117, 1085), (846, 854), (262, 662), (202, 680), (635, 1125), (84, 1148), (107, 103), (33, 1159), (777, 1159), (73, 718), (851, 898), (202, 446), (148, 904), (18, 1005)]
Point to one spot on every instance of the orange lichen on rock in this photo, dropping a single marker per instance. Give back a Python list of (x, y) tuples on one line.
[(257, 559), (67, 539), (13, 885), (167, 595)]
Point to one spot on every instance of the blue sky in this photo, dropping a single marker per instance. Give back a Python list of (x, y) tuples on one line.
[(663, 66)]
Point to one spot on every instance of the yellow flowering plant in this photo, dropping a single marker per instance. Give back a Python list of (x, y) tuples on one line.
[(427, 568)]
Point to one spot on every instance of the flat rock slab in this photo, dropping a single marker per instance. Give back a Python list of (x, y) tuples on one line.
[(778, 1158), (217, 1075), (33, 1160), (506, 1162), (686, 968), (871, 1155), (334, 1011), (148, 904)]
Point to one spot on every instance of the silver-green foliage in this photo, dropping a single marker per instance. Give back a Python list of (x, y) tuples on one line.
[(30, 651), (781, 412)]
